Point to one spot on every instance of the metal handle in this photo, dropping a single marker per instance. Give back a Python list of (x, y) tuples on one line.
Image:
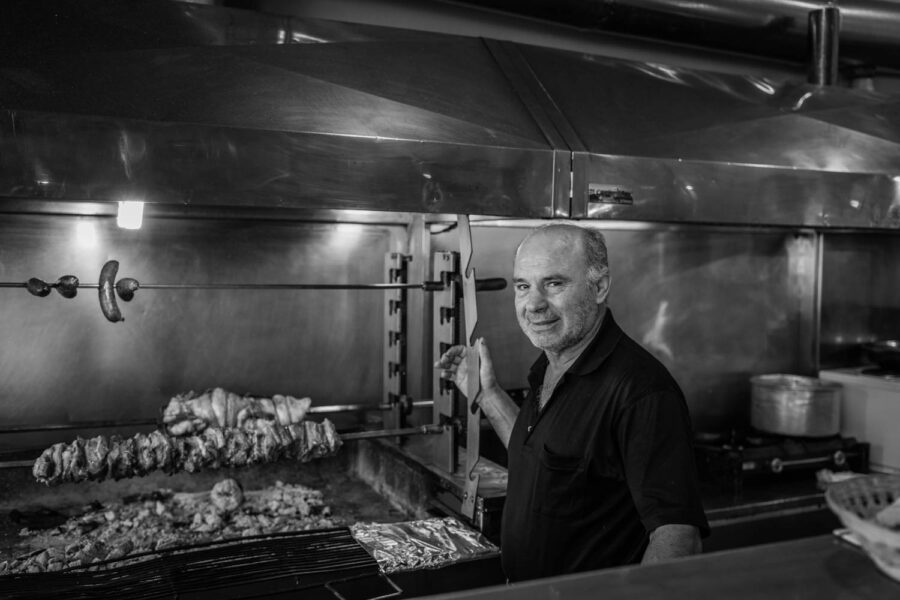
[(777, 465)]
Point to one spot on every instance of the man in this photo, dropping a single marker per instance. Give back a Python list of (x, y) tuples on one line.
[(601, 470)]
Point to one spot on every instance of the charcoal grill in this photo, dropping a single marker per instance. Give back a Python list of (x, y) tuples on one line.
[(325, 563)]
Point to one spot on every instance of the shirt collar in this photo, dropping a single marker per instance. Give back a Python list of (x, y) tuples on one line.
[(593, 356)]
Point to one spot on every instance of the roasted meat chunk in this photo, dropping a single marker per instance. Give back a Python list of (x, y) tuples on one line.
[(95, 451), (192, 413), (116, 458)]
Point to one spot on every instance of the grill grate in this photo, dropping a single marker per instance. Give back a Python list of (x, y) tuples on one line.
[(258, 566)]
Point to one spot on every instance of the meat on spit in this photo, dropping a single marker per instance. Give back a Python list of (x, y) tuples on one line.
[(114, 457), (192, 413)]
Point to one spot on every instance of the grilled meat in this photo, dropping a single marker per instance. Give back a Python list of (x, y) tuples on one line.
[(163, 519), (146, 458), (193, 413), (117, 458), (163, 450), (227, 495), (95, 451)]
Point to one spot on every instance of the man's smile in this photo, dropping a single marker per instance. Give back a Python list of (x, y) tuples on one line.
[(545, 324)]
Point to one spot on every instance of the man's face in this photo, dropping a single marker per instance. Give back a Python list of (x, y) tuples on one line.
[(556, 303)]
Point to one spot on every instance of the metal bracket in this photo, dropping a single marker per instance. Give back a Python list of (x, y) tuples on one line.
[(395, 303), (445, 334)]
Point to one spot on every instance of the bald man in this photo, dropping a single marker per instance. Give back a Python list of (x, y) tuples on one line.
[(601, 468)]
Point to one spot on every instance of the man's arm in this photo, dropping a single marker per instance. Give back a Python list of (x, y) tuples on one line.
[(672, 541), (498, 407), (500, 410)]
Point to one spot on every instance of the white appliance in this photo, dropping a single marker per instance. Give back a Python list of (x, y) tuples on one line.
[(870, 412)]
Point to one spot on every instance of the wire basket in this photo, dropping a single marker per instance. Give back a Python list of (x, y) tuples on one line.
[(856, 502)]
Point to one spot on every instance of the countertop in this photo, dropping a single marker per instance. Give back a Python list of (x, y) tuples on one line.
[(811, 568)]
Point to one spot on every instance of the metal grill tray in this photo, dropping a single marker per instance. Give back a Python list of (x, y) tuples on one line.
[(265, 566)]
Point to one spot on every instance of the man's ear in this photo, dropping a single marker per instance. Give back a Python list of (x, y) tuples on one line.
[(602, 288)]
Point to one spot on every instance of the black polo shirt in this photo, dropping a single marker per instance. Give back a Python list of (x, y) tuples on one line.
[(606, 462)]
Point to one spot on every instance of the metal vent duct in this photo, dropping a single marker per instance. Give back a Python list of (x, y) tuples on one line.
[(215, 107)]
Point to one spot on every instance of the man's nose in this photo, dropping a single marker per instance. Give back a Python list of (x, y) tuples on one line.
[(535, 301)]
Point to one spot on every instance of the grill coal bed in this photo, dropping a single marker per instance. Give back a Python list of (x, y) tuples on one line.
[(271, 566)]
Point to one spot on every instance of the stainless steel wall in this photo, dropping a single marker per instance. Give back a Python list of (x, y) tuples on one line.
[(714, 305), (860, 294), (61, 361)]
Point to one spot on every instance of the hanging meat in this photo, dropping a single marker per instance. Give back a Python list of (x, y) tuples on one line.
[(191, 413), (114, 457)]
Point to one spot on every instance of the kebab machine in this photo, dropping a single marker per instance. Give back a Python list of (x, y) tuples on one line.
[(452, 470)]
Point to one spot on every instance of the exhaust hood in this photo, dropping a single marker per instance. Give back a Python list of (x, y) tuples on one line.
[(337, 116)]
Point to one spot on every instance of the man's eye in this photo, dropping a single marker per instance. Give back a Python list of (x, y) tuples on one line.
[(521, 287), (552, 284)]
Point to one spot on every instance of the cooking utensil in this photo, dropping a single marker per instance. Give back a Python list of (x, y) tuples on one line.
[(795, 405), (473, 367), (884, 353)]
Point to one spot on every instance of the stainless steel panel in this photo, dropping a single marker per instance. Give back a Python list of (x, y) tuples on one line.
[(692, 191), (39, 27), (348, 89), (361, 118), (714, 305), (70, 158), (860, 291), (405, 124), (438, 124), (61, 361), (635, 109)]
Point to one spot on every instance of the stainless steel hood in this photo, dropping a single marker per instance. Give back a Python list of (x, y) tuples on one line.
[(220, 107), (656, 143)]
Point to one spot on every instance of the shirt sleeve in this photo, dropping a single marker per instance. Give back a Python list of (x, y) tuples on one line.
[(655, 437)]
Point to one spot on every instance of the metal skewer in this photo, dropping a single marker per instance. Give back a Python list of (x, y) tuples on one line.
[(381, 433), (350, 436), (314, 410), (429, 286), (125, 288)]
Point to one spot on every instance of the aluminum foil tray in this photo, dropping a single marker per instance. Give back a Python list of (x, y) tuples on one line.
[(422, 544)]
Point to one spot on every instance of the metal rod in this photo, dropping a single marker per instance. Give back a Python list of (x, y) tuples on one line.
[(277, 286), (824, 33), (381, 433), (81, 425), (12, 464), (428, 286), (257, 286), (315, 410)]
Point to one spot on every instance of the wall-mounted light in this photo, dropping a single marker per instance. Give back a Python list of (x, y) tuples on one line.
[(131, 214)]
